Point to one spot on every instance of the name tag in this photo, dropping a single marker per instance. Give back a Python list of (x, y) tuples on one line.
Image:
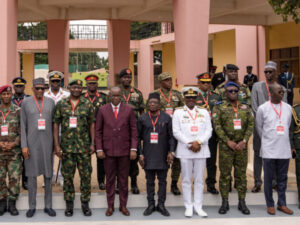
[(73, 122), (41, 124), (194, 130), (4, 130), (169, 111), (154, 138), (237, 124), (280, 130)]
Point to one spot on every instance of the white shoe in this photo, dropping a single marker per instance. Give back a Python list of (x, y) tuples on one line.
[(200, 212), (188, 212)]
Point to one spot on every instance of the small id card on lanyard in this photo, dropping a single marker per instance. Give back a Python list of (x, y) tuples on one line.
[(4, 126), (279, 126), (73, 119), (237, 123), (41, 122), (194, 130), (280, 130), (154, 135)]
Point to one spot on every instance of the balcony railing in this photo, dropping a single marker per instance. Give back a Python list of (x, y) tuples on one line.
[(88, 32)]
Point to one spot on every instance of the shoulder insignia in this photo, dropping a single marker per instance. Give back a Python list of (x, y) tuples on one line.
[(219, 102)]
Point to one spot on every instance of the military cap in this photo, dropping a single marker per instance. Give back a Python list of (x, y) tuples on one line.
[(190, 91), (55, 75), (271, 65), (91, 78), (204, 77), (231, 67), (231, 84), (124, 72), (19, 81), (38, 81), (249, 67), (154, 95), (5, 88), (76, 81), (164, 76)]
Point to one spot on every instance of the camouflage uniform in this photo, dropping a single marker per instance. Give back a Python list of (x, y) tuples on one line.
[(11, 161), (136, 101), (244, 93), (176, 101), (75, 144), (223, 116), (213, 141)]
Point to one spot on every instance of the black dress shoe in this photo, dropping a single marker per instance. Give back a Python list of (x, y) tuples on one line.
[(69, 208), (224, 207), (30, 213), (212, 190), (3, 206), (243, 207), (256, 189), (102, 186), (25, 185), (175, 190), (150, 209), (135, 190), (161, 208), (50, 212), (86, 209)]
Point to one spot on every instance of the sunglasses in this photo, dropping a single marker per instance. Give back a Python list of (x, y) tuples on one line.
[(19, 86), (233, 91), (191, 97), (205, 82), (268, 71), (55, 81), (39, 88)]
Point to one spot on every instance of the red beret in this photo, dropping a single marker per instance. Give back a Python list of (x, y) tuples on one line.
[(5, 88)]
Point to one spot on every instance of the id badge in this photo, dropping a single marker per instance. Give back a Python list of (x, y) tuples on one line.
[(154, 138), (73, 122), (280, 130), (4, 130), (237, 124), (41, 124), (194, 130), (169, 111)]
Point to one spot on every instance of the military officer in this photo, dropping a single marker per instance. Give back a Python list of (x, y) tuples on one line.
[(218, 78), (170, 99), (250, 78), (10, 152), (77, 118), (287, 79), (97, 99), (133, 97), (17, 99), (233, 123), (207, 99), (231, 71)]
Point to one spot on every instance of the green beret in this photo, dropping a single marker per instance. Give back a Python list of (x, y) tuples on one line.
[(76, 81), (164, 76)]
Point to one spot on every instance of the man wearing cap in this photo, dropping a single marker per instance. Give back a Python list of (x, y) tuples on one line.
[(97, 99), (10, 152), (133, 97), (76, 116), (17, 99), (231, 71), (169, 100), (233, 123), (192, 129), (287, 79), (207, 99), (250, 78), (259, 95), (156, 147), (37, 144), (218, 78)]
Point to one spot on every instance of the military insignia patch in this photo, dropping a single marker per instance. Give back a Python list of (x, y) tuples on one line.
[(243, 107), (214, 115)]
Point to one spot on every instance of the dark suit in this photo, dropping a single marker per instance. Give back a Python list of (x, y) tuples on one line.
[(217, 79), (116, 137), (289, 83), (249, 80)]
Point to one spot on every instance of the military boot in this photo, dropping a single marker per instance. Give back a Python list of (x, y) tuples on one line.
[(224, 207), (86, 209), (69, 208), (12, 208), (3, 206), (243, 207)]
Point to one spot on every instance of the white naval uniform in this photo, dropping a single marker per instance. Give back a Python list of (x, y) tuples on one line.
[(192, 164)]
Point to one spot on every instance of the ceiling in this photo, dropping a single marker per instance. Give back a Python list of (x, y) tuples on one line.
[(243, 12)]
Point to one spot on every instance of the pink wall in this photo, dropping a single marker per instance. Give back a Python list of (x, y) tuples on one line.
[(58, 46), (191, 20), (261, 41), (118, 47), (8, 40)]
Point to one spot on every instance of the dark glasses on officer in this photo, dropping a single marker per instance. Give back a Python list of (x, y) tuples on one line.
[(39, 88), (268, 71), (19, 86), (205, 82), (55, 81), (233, 91), (190, 97)]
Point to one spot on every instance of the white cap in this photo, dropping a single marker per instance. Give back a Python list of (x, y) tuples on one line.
[(271, 65)]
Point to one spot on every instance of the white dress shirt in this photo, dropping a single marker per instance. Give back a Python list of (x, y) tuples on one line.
[(113, 107), (59, 96)]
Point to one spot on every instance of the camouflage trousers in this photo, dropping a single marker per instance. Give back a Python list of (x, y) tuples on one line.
[(175, 169), (10, 165), (229, 158), (84, 165)]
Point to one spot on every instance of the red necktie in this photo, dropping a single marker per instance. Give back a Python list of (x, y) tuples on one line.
[(116, 112)]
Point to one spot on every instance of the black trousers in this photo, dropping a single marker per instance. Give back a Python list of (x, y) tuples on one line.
[(211, 162), (134, 170), (162, 185), (290, 98), (100, 171)]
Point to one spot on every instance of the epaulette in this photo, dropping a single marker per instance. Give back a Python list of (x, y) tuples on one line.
[(176, 91), (200, 107), (181, 107), (219, 102)]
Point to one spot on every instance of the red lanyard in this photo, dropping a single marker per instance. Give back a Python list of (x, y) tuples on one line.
[(38, 106), (205, 101), (278, 114), (127, 99), (235, 109), (18, 103), (154, 123), (167, 100), (4, 116), (92, 101), (194, 119), (268, 89), (74, 106)]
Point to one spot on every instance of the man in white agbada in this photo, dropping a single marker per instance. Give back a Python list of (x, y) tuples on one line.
[(192, 128)]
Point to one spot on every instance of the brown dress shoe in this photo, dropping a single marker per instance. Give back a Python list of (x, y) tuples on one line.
[(109, 211), (256, 189), (285, 209), (124, 211), (271, 210)]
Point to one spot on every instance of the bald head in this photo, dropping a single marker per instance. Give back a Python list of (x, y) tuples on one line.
[(276, 92), (115, 95)]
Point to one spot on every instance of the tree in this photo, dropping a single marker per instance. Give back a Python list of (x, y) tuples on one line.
[(141, 30), (286, 8)]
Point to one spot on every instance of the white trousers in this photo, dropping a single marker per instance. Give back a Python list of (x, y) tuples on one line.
[(192, 168)]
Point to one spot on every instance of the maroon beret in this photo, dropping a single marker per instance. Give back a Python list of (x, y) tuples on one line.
[(5, 88)]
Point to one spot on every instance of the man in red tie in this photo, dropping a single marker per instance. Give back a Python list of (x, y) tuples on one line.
[(116, 143)]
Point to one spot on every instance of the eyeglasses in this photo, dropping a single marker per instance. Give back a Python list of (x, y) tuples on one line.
[(268, 71), (233, 91), (39, 88)]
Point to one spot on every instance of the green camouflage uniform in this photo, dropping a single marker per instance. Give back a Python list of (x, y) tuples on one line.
[(11, 161), (244, 93), (176, 101), (223, 116), (295, 142), (75, 144)]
